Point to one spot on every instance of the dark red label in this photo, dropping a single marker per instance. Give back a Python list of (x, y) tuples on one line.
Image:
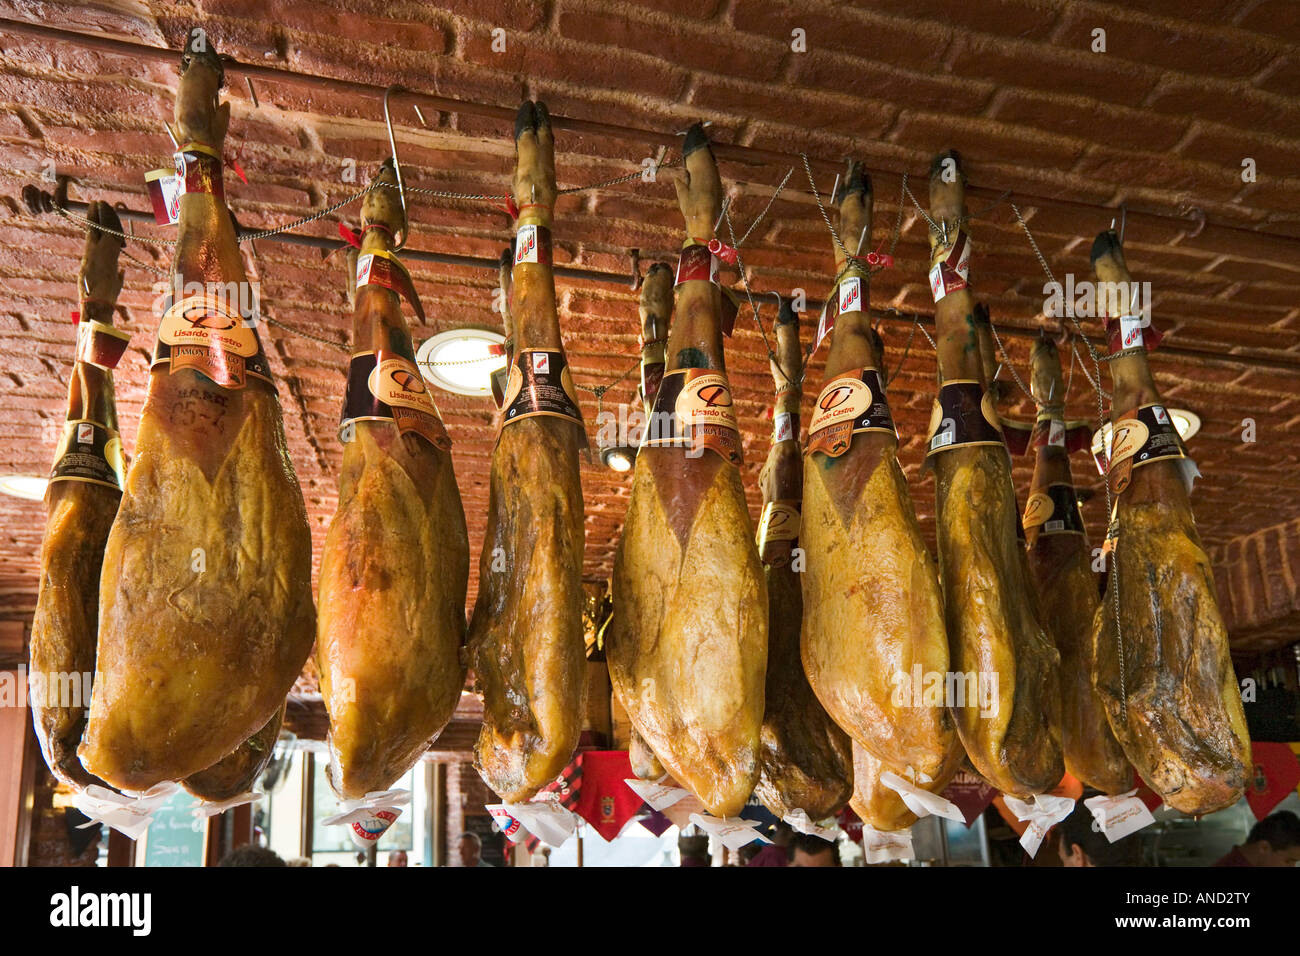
[(386, 386), (963, 414), (540, 384), (697, 263), (90, 452), (383, 268)]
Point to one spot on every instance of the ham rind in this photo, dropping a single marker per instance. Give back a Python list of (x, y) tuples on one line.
[(995, 638), (206, 614), (525, 636), (236, 773), (1163, 668), (873, 627), (806, 762), (82, 502), (1060, 563), (395, 565), (687, 650)]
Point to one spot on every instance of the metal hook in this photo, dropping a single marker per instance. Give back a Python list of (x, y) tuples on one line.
[(252, 92), (1123, 219), (636, 268), (722, 212), (397, 166), (423, 122)]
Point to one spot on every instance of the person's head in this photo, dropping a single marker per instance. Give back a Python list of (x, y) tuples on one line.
[(814, 851), (1080, 842), (397, 858), (1275, 840), (250, 854), (471, 849), (299, 861)]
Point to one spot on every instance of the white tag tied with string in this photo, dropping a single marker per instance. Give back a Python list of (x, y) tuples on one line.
[(204, 808), (800, 822), (882, 846), (733, 832), (656, 793), (128, 813), (922, 802), (1118, 816), (370, 817), (1042, 813), (551, 823)]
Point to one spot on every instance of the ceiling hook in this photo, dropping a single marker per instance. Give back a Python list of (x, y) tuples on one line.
[(1123, 220), (397, 166)]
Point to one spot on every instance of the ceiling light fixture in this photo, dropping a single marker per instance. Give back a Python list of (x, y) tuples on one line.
[(462, 361), (618, 457), (29, 487), (1186, 423)]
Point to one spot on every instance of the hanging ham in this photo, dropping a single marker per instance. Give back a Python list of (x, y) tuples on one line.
[(687, 650), (806, 762), (395, 566), (85, 487), (1162, 664), (873, 628), (525, 636), (206, 613), (999, 649), (1060, 562)]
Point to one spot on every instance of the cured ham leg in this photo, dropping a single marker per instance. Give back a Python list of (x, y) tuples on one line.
[(687, 650), (82, 500), (873, 627), (1060, 563), (525, 636), (806, 762), (395, 566), (996, 643), (205, 614), (1166, 677), (656, 312)]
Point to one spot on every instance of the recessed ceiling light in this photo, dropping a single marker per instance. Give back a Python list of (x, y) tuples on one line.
[(24, 486), (1186, 423), (618, 457), (462, 360)]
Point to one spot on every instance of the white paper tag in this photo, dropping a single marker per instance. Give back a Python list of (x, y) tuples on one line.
[(655, 793), (526, 244), (1120, 815), (851, 294), (922, 802), (800, 822), (782, 427), (885, 847), (363, 268), (204, 809), (1130, 331), (732, 831), (551, 823), (1042, 813), (1056, 433), (370, 817), (127, 813)]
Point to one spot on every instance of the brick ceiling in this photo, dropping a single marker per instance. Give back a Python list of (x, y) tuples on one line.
[(1161, 121)]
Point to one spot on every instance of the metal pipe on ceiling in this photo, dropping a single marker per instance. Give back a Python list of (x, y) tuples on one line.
[(750, 155), (625, 279)]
